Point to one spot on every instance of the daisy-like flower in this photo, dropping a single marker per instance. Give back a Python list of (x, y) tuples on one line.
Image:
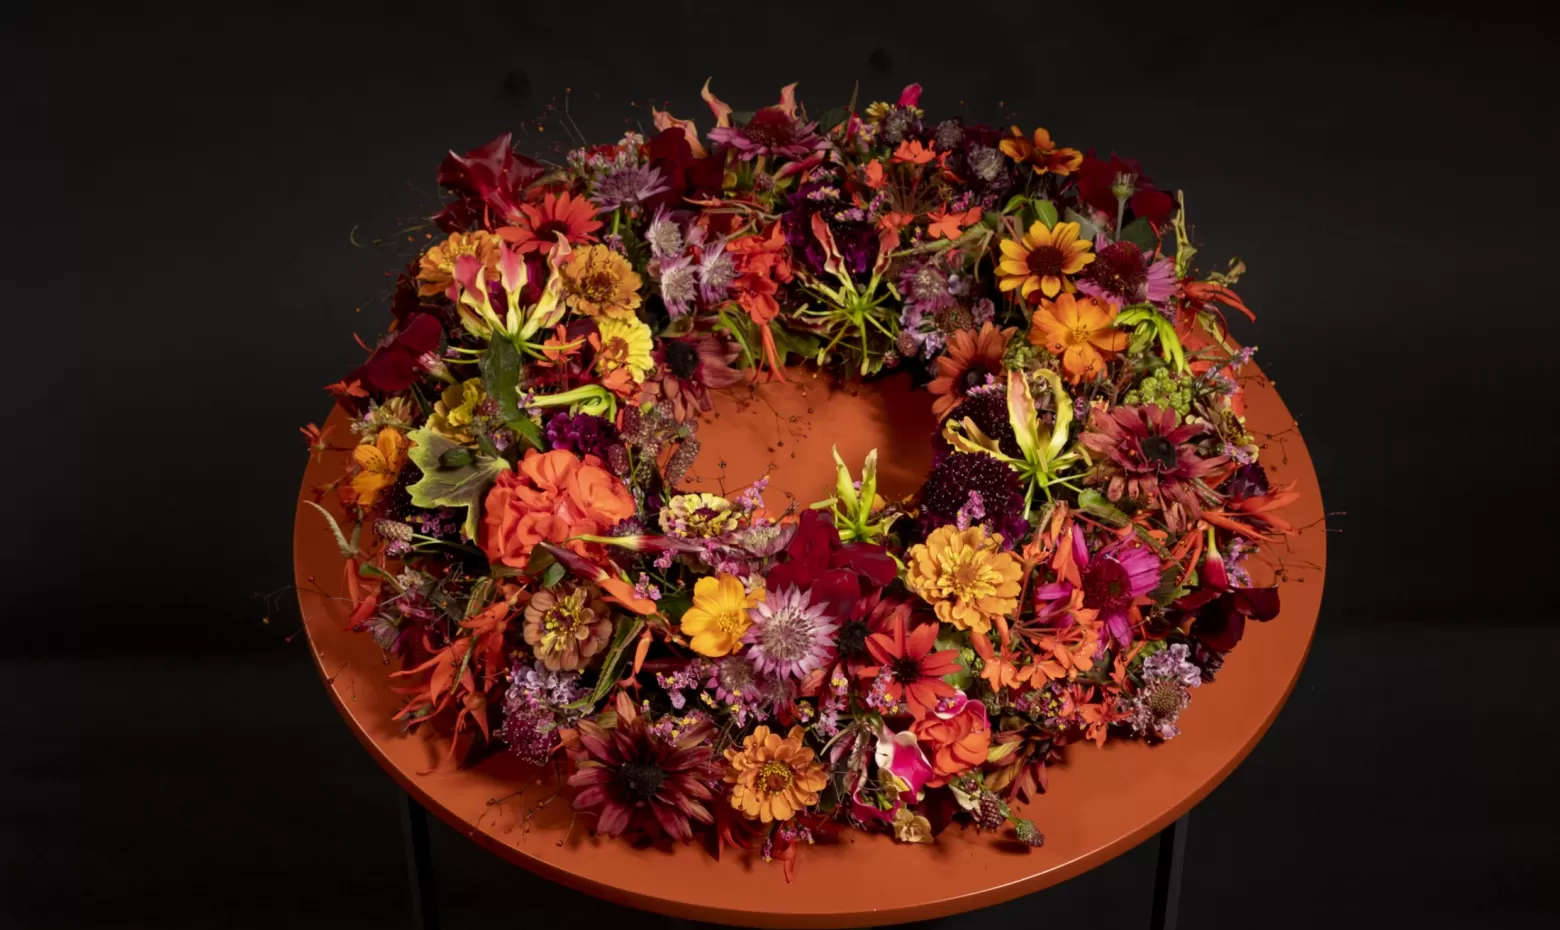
[(1122, 274), (1079, 330), (719, 616), (914, 671), (698, 516), (379, 464), (971, 356), (598, 282), (637, 782), (965, 575), (1042, 260), (687, 368), (436, 268), (628, 186), (771, 132), (1145, 456), (1113, 579), (1042, 154), (679, 282), (774, 778), (566, 626), (537, 227), (790, 635), (626, 342)]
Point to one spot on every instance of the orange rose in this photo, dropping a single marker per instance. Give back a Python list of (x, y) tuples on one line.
[(550, 496), (957, 734)]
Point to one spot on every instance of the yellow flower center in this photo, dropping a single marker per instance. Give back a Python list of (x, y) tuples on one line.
[(773, 778), (732, 622), (562, 622), (1081, 332), (966, 574)]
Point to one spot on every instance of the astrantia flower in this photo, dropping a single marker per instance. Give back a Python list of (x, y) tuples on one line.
[(664, 236), (1146, 457), (628, 186), (636, 782), (599, 282), (949, 485), (914, 670), (719, 616), (790, 635), (774, 778), (734, 680), (965, 576), (969, 359), (626, 342), (436, 267), (1122, 274), (771, 132), (1079, 330), (566, 626), (698, 516), (1043, 260), (537, 227)]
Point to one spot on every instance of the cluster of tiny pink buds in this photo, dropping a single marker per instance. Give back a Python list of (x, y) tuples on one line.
[(646, 589), (877, 697)]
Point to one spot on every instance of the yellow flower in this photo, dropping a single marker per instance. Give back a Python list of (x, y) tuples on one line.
[(698, 516), (773, 778), (599, 282), (436, 268), (1042, 260), (456, 408), (1080, 330), (965, 576), (910, 827), (379, 463), (625, 343), (719, 615)]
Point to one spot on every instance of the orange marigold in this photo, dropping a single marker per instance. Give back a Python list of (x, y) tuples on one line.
[(773, 778), (965, 576)]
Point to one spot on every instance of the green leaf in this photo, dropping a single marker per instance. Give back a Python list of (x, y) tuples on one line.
[(553, 575), (500, 367), (1141, 234), (962, 678), (1086, 228), (1096, 504), (832, 117), (456, 457), (1046, 211), (348, 550), (463, 486), (790, 341), (1014, 204), (673, 606)]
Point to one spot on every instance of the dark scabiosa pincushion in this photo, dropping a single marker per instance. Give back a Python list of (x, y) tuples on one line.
[(990, 414), (947, 491)]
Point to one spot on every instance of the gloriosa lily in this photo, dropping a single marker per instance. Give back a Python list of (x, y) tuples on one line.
[(1150, 324), (588, 398), (480, 314), (1043, 459), (852, 509), (854, 309)]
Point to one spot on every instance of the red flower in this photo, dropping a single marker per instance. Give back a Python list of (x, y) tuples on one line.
[(1219, 610), (1096, 179), (689, 173), (536, 227), (816, 561), (491, 179), (394, 366), (917, 671)]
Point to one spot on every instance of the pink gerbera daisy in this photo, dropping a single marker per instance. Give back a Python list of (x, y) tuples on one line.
[(790, 635)]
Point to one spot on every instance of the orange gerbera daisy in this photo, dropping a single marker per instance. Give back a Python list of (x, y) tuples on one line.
[(436, 268), (773, 778), (1043, 260), (1080, 330), (1042, 153), (599, 282), (971, 356), (537, 227)]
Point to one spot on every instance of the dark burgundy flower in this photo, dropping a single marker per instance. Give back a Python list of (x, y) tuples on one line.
[(989, 411), (687, 368), (816, 561), (394, 366), (1097, 180), (854, 236), (686, 174), (492, 176), (1148, 458), (1219, 611), (636, 782), (947, 491)]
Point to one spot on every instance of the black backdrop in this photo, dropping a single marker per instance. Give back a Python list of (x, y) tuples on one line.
[(180, 283)]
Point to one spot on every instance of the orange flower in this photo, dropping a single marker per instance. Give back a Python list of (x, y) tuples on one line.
[(1043, 260), (1042, 153), (599, 282), (912, 152), (380, 462), (958, 739), (550, 496), (970, 358), (436, 268), (947, 225), (537, 227), (1080, 330), (773, 778)]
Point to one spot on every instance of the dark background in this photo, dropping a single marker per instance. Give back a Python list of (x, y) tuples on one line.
[(180, 189)]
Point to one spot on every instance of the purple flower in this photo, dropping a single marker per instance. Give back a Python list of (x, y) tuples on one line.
[(582, 434), (790, 635), (771, 132), (1122, 274), (1112, 579), (628, 186), (1168, 677)]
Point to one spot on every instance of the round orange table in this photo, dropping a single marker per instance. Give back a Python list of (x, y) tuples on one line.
[(1101, 802)]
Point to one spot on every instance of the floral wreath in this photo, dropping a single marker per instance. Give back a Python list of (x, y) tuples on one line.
[(1070, 569)]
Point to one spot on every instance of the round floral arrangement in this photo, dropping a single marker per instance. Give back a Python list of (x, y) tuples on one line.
[(701, 665)]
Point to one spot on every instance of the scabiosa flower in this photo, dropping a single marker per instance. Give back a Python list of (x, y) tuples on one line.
[(582, 434), (1168, 676), (790, 635), (628, 186), (636, 782), (1122, 274), (947, 492), (989, 412), (1147, 457)]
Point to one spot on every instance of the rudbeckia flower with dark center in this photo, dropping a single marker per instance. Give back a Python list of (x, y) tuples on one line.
[(772, 132), (636, 782), (1146, 457)]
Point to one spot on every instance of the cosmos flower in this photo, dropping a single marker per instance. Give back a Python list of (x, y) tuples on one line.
[(636, 782), (719, 616), (970, 357), (1042, 260), (599, 282), (914, 671), (537, 227), (566, 626), (1080, 331), (774, 778), (965, 576), (790, 635), (1122, 274)]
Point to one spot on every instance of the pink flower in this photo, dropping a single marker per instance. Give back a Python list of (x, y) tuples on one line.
[(900, 755)]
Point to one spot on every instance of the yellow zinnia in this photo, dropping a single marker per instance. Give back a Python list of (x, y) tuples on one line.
[(965, 576), (625, 343), (719, 615), (598, 282), (457, 406), (1042, 260)]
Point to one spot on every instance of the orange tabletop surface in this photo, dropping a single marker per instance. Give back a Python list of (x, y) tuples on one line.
[(1101, 802)]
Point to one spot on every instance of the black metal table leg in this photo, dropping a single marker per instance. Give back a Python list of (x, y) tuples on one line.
[(1167, 878), (419, 863)]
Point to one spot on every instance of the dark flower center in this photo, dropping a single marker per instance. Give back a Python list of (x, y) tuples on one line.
[(598, 286), (1118, 268), (548, 231), (681, 358), (1106, 586), (1046, 260), (1164, 699), (769, 127), (975, 376), (1159, 452), (907, 671), (640, 780), (852, 639)]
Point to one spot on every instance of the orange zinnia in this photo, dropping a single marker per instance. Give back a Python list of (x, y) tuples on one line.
[(436, 268), (773, 778), (1042, 153), (1043, 260), (1079, 330), (970, 358)]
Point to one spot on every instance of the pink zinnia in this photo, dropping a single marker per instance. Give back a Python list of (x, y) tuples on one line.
[(790, 635)]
